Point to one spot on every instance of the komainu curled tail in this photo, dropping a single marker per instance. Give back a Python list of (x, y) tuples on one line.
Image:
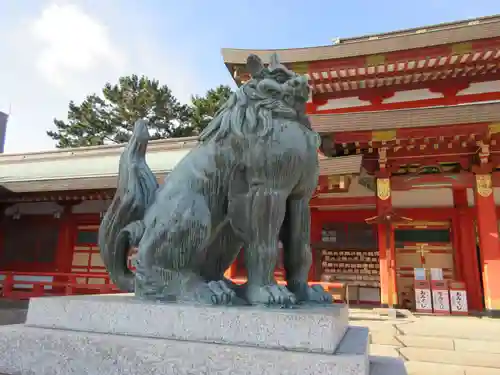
[(122, 227)]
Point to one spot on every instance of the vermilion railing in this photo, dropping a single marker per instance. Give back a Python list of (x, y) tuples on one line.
[(12, 286)]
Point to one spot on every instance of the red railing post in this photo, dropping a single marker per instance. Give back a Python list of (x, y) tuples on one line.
[(38, 289), (8, 285)]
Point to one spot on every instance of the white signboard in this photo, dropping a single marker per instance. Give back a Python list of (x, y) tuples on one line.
[(458, 300), (423, 301), (441, 301)]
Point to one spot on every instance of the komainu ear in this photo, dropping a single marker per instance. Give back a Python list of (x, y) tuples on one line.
[(274, 62), (254, 65)]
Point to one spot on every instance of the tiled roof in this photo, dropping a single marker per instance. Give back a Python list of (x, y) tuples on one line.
[(426, 36)]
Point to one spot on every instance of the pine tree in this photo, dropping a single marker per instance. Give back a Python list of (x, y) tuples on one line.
[(204, 108), (110, 118)]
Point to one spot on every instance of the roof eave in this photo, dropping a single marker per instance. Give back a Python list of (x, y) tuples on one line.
[(462, 31)]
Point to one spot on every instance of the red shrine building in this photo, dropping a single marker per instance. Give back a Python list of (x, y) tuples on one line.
[(409, 161)]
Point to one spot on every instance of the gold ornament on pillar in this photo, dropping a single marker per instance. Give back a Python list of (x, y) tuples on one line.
[(484, 185), (383, 188)]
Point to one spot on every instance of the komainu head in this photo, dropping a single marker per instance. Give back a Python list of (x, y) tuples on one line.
[(273, 91)]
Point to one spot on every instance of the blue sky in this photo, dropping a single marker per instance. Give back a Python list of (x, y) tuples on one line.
[(55, 51)]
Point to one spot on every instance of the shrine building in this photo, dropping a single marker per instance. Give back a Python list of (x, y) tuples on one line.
[(409, 163)]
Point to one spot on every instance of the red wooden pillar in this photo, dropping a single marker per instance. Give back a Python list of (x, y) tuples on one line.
[(388, 292), (465, 250), (3, 208), (65, 246), (488, 242), (66, 240), (2, 230)]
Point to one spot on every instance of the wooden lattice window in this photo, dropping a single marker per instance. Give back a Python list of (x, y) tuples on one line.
[(86, 255)]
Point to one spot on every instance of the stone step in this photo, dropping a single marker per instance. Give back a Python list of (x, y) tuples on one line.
[(376, 326), (384, 350), (453, 327), (387, 366), (439, 356), (427, 368), (462, 358), (445, 343)]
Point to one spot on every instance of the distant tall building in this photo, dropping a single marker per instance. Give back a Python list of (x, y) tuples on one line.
[(3, 129)]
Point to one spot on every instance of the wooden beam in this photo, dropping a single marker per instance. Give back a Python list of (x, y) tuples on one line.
[(462, 180), (444, 130), (341, 201)]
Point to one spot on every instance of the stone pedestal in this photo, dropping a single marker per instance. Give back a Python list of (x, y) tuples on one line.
[(117, 334)]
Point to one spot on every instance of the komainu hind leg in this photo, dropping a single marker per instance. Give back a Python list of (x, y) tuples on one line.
[(184, 286), (170, 255), (220, 254)]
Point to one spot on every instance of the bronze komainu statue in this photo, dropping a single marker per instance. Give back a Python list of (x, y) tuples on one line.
[(246, 184)]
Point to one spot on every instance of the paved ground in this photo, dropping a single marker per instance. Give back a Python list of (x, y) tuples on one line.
[(12, 312)]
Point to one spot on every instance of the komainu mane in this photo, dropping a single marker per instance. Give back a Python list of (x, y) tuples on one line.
[(246, 184)]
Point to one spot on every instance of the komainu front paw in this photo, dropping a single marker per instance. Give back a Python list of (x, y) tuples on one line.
[(314, 293), (269, 295), (217, 293)]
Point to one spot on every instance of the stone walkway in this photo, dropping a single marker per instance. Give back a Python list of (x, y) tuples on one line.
[(435, 345)]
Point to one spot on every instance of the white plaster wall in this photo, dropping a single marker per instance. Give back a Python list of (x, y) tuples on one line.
[(412, 95), (470, 197), (355, 190), (423, 198), (343, 103), (481, 87)]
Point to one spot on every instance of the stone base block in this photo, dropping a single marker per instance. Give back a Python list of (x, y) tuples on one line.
[(313, 329), (42, 351)]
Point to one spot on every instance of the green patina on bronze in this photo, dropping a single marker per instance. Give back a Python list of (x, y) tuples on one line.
[(247, 184)]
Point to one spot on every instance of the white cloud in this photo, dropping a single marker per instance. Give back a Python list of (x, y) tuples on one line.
[(72, 42), (62, 51)]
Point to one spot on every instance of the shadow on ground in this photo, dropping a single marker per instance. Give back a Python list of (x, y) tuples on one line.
[(13, 312)]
